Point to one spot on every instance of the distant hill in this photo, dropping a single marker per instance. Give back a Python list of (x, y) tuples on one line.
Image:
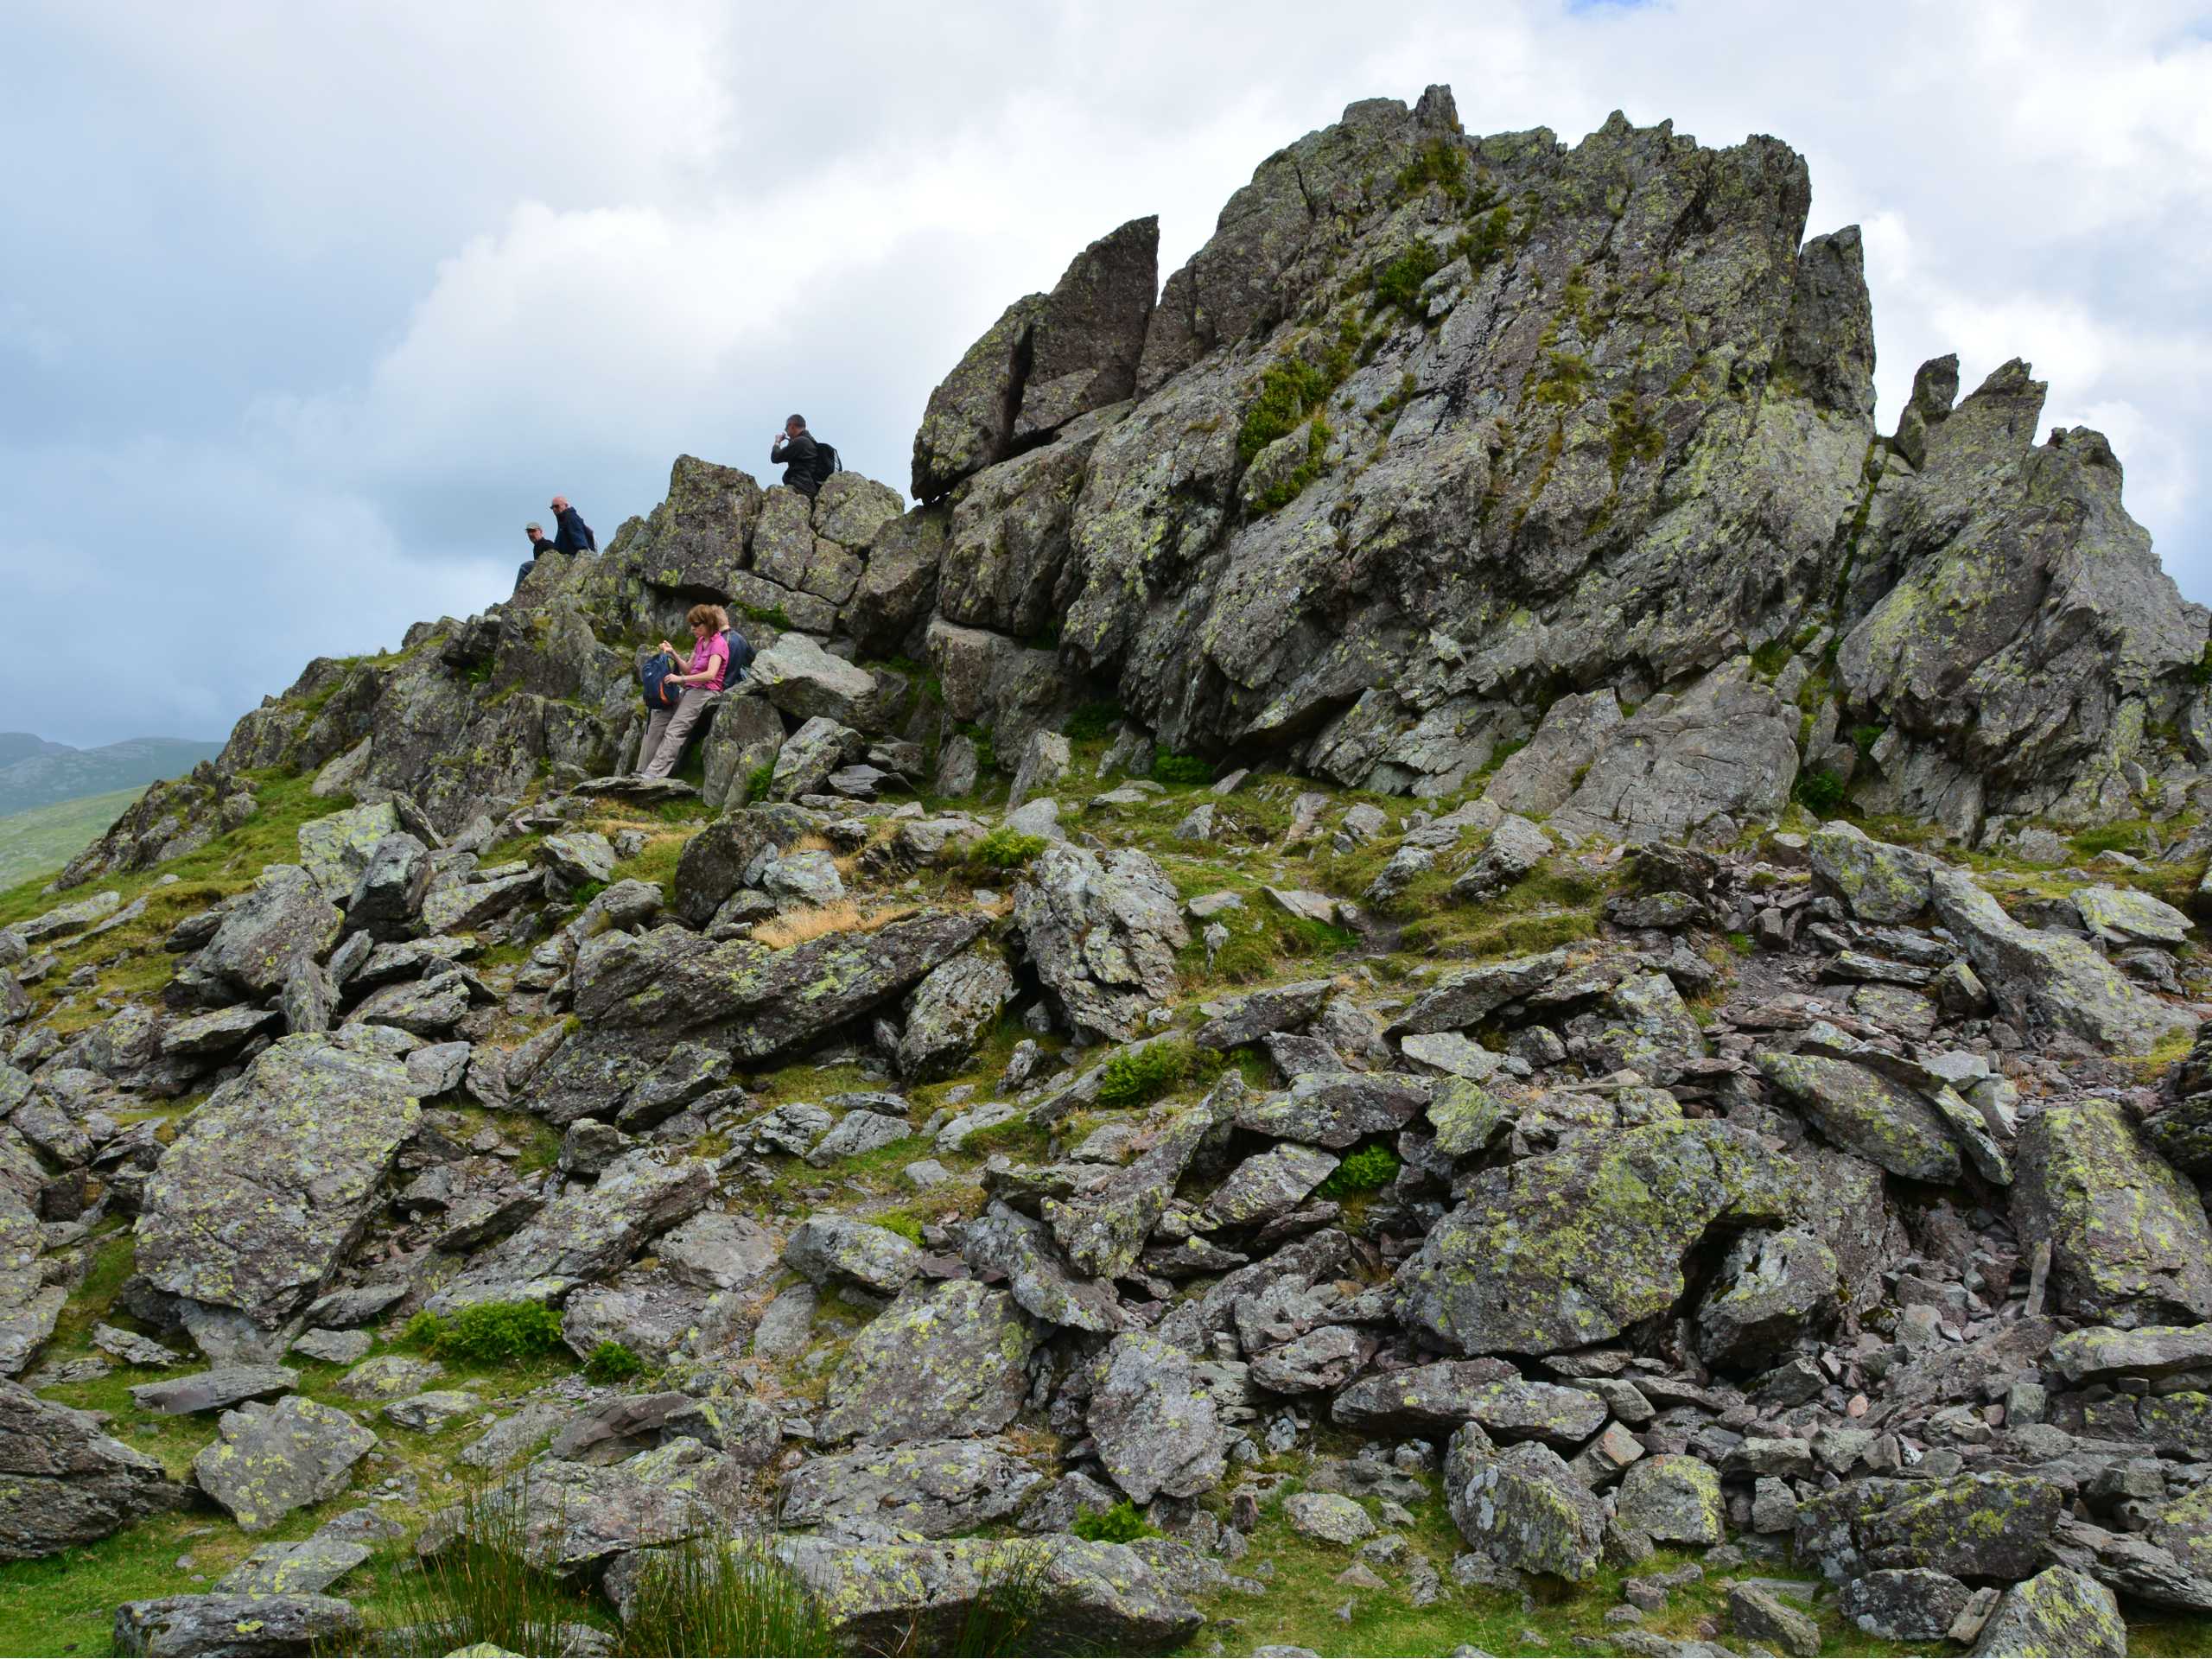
[(35, 772), (40, 841)]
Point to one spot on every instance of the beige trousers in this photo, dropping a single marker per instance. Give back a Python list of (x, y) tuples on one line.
[(669, 730)]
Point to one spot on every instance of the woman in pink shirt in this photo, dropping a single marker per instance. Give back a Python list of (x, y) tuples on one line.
[(668, 729)]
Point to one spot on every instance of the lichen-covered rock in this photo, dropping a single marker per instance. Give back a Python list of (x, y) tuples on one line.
[(1337, 1109), (2057, 1614), (570, 1519), (1006, 1243), (1865, 1112), (2047, 979), (268, 1185), (174, 1627), (935, 1487), (305, 1568), (1523, 1508), (1982, 1526), (1674, 1499), (1570, 1248), (2126, 915), (65, 1482), (1881, 883), (1904, 1603), (1091, 1598), (799, 676), (1465, 999), (943, 1361), (948, 1012), (283, 917), (1424, 1398), (827, 1249), (271, 1459), (1102, 933), (1157, 1427), (2129, 1241), (1269, 1184), (388, 896), (1105, 1231), (1772, 1288), (336, 848), (585, 1234)]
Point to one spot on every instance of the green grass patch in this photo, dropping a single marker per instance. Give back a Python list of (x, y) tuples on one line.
[(1005, 848), (1137, 1076), (1368, 1170), (613, 1362), (1395, 283), (1290, 390), (1819, 790), (1092, 722), (1124, 1524)]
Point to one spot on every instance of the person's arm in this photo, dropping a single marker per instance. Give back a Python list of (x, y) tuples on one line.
[(705, 674), (776, 452)]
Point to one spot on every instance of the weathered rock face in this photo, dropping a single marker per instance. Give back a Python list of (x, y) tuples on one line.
[(1102, 933), (941, 1363), (270, 1182), (1569, 1248), (2128, 1238), (64, 1482)]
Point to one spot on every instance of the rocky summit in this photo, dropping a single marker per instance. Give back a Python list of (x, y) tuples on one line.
[(1434, 961)]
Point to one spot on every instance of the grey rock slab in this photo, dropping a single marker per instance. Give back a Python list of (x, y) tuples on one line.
[(1329, 1517), (1522, 1507), (213, 1390), (950, 1012), (271, 1459), (1337, 1109), (716, 1251), (935, 1487), (1467, 999), (336, 848), (1006, 1245), (2060, 1613), (829, 1248), (585, 1234), (132, 1348), (1246, 1019), (1570, 1248), (69, 1483), (1157, 1428), (1268, 1185), (1904, 1603), (2045, 979), (1864, 1112), (944, 1361), (1674, 1499), (2129, 1241), (1090, 1596), (171, 1627), (305, 1568), (265, 1188), (1102, 933)]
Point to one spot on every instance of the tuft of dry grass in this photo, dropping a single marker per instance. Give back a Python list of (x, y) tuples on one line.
[(846, 916)]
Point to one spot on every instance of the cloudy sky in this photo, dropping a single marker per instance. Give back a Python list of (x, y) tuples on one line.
[(305, 310)]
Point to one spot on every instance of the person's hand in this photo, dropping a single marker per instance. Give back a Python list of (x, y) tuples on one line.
[(670, 649)]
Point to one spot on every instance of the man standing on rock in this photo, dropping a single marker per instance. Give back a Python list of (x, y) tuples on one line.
[(538, 547), (797, 452), (571, 534)]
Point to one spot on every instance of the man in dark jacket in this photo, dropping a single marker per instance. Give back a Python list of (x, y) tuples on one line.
[(800, 456), (571, 534), (539, 545)]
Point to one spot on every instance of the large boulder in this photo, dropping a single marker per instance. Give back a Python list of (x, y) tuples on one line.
[(1863, 1111), (1983, 1526), (1156, 1425), (270, 1460), (941, 1362), (2050, 980), (255, 1204), (1881, 883), (338, 847), (2058, 1614), (1570, 1248), (715, 863), (1082, 1597), (799, 676), (949, 1013), (1102, 933), (2129, 1241), (65, 1482), (1083, 355), (252, 1626), (1523, 1507), (284, 918), (935, 1487)]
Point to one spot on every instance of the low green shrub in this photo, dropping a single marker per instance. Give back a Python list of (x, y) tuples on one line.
[(1819, 790), (758, 779), (490, 1333), (1181, 769), (1123, 1524), (1005, 848), (1092, 721), (613, 1362), (1137, 1076), (1366, 1170)]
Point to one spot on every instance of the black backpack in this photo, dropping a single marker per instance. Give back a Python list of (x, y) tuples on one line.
[(740, 656), (826, 461)]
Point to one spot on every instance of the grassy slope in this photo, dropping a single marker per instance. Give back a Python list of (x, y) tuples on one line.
[(39, 841)]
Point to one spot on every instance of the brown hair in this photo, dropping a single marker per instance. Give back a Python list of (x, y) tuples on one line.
[(706, 618)]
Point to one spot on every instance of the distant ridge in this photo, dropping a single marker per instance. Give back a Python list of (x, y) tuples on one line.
[(37, 772)]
